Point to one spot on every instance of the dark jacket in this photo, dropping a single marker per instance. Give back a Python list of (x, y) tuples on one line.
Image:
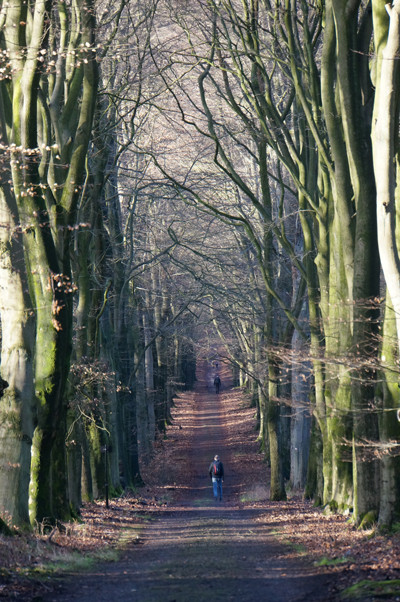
[(221, 469)]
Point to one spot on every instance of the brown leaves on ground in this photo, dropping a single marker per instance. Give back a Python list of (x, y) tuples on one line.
[(332, 541), (27, 560), (351, 555)]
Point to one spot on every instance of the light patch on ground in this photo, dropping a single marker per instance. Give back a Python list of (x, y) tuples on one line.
[(258, 493)]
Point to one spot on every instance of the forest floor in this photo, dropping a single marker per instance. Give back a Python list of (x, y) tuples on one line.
[(170, 541)]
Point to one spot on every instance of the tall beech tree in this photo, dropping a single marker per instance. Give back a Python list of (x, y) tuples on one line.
[(385, 144), (48, 93)]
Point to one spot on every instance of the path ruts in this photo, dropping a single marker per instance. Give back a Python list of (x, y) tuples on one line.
[(203, 551)]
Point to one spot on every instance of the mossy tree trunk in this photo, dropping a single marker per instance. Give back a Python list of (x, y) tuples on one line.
[(278, 491), (385, 142), (389, 427), (353, 271), (17, 344), (47, 138), (161, 313)]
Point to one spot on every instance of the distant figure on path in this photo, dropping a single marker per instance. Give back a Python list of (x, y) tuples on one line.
[(216, 472), (217, 383)]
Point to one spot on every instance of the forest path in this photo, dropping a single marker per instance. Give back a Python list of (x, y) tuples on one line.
[(198, 550)]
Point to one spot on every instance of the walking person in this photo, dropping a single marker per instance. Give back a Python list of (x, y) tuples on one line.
[(216, 472), (217, 383)]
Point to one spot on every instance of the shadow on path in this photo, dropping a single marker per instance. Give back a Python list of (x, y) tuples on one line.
[(198, 550)]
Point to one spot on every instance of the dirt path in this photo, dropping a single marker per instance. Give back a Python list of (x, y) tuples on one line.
[(195, 549)]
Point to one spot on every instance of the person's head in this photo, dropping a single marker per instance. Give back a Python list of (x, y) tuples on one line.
[(216, 457)]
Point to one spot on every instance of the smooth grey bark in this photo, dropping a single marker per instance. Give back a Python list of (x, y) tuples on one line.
[(384, 145), (17, 345), (301, 415)]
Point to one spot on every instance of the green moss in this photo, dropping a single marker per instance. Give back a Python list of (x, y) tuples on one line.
[(325, 561), (331, 507), (345, 509), (74, 514), (74, 561), (395, 528), (201, 502), (11, 420), (35, 465), (298, 548), (368, 520), (372, 589), (45, 363)]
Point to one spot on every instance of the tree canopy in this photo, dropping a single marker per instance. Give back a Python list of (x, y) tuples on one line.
[(186, 179)]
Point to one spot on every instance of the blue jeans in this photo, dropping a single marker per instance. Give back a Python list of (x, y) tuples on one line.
[(217, 487)]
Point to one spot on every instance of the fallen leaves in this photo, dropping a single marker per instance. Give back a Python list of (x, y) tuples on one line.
[(330, 542)]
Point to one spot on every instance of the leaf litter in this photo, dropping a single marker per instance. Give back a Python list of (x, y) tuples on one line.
[(329, 541)]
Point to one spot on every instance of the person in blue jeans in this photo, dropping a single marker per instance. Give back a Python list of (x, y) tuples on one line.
[(216, 472)]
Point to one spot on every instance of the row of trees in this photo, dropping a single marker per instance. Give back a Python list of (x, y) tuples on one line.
[(229, 172), (93, 346), (299, 106)]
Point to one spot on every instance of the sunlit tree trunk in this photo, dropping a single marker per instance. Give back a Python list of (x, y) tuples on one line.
[(17, 342), (353, 281), (46, 194), (385, 147), (389, 400), (386, 144), (149, 370)]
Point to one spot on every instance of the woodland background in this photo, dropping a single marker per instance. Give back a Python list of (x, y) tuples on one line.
[(207, 178)]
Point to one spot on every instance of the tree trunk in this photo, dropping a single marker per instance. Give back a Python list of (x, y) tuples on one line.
[(17, 343), (389, 398), (275, 445), (46, 197), (385, 145), (301, 420)]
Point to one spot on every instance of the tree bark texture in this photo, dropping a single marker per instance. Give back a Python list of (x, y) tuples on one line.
[(47, 165)]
